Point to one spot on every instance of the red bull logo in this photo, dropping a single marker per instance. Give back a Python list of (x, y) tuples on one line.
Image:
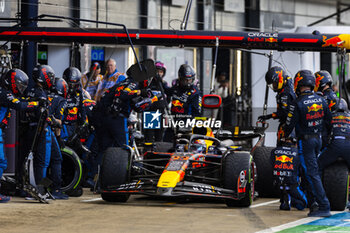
[(177, 103), (271, 40), (296, 81), (47, 79), (284, 159), (13, 83), (318, 80), (331, 104), (120, 88), (341, 118), (73, 111), (331, 42), (314, 108)]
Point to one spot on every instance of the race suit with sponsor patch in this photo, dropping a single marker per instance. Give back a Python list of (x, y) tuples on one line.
[(286, 173), (309, 114), (74, 114), (185, 102), (331, 98), (113, 110), (340, 143), (8, 102), (284, 99)]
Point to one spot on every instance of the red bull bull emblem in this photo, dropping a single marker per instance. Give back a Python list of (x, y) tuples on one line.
[(271, 40), (331, 42), (73, 111), (318, 80), (284, 159), (314, 108), (296, 81), (177, 103)]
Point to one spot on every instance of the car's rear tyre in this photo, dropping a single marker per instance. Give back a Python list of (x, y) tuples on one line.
[(114, 172), (336, 185), (234, 165), (71, 171), (264, 184), (164, 147)]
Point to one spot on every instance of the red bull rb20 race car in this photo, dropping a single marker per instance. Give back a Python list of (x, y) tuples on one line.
[(197, 166)]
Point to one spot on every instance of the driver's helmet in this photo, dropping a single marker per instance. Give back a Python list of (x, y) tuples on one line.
[(343, 106), (198, 146), (72, 76)]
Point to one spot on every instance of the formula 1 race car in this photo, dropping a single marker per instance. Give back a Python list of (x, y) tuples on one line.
[(199, 166)]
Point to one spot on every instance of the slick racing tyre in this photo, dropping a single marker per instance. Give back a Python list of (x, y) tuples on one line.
[(264, 184), (114, 172), (164, 147), (238, 166), (71, 170), (336, 185)]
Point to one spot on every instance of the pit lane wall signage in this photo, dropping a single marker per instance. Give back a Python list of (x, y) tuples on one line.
[(249, 40)]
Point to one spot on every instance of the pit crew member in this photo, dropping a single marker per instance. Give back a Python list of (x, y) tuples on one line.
[(281, 83), (309, 114)]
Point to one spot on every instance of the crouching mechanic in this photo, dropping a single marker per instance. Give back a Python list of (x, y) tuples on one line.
[(309, 114), (286, 173), (281, 83), (12, 87), (339, 146), (113, 110)]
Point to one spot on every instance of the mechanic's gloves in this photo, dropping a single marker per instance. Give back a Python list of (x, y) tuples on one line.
[(146, 92), (43, 102), (264, 117), (143, 105), (51, 120), (60, 141)]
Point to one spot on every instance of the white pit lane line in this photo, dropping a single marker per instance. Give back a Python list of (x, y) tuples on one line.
[(264, 203), (252, 206), (91, 200), (288, 225)]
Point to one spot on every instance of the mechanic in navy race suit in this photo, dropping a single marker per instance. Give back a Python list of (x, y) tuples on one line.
[(323, 85), (155, 135), (281, 83), (57, 104), (185, 98), (286, 173), (43, 77), (113, 110), (339, 145), (74, 114), (12, 87), (309, 114)]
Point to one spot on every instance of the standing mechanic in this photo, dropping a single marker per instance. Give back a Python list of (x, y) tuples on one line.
[(339, 145), (109, 79), (282, 84), (323, 85), (57, 104), (309, 114), (12, 87), (74, 114), (156, 135), (114, 109), (185, 97)]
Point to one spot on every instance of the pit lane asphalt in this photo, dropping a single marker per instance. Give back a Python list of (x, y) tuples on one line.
[(89, 213)]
